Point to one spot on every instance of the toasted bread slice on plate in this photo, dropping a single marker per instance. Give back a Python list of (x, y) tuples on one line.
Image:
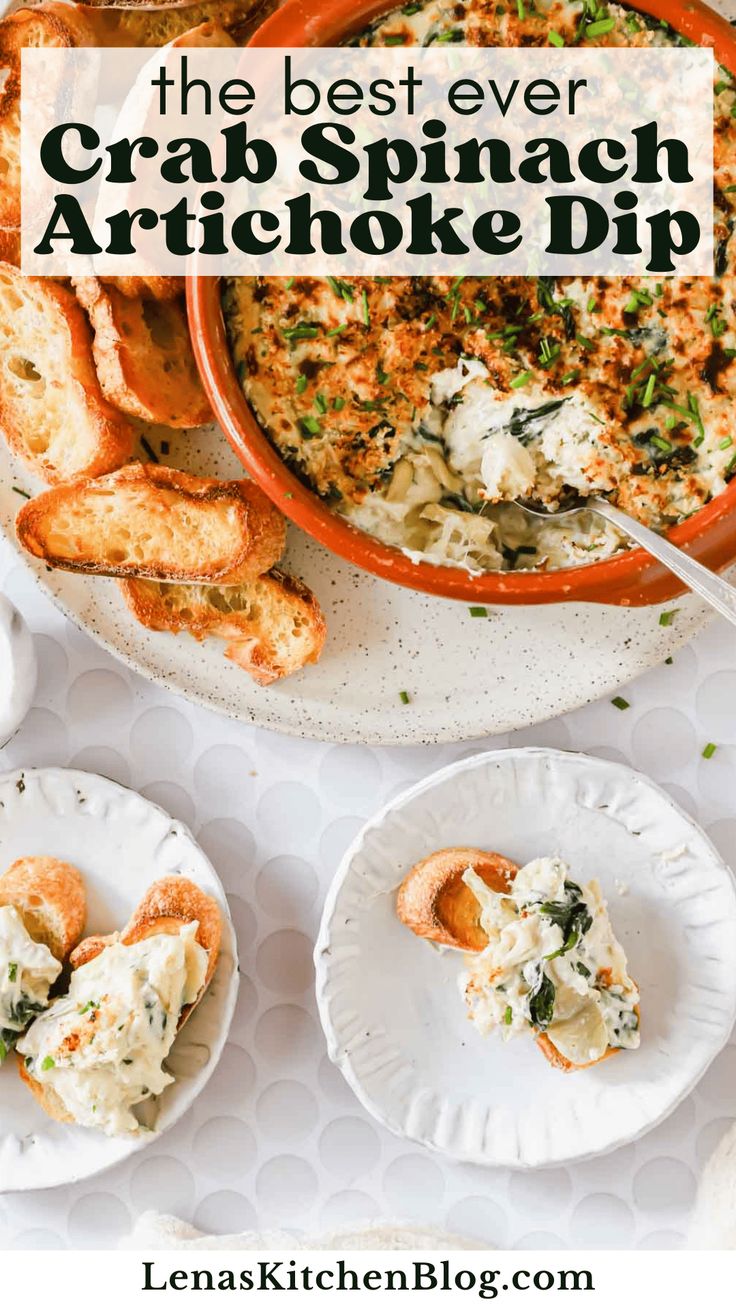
[(435, 903), (170, 904), (52, 410), (148, 520), (144, 356), (273, 625), (50, 897)]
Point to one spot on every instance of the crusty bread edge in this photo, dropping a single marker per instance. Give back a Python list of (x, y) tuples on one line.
[(59, 885), (419, 892)]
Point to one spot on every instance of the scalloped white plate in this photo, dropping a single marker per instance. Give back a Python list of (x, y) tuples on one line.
[(121, 843), (390, 1004)]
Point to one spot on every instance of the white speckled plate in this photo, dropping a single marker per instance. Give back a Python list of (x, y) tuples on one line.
[(466, 677), (389, 1002), (121, 843)]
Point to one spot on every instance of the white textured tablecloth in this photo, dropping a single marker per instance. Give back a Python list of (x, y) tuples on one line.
[(277, 1139)]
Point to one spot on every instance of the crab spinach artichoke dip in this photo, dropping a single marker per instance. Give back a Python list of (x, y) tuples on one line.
[(552, 965), (101, 1047), (27, 972), (420, 408)]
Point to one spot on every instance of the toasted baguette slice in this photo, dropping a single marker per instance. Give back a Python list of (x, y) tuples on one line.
[(273, 626), (435, 903), (57, 23), (51, 899), (170, 904), (151, 521), (144, 356), (52, 411), (147, 288)]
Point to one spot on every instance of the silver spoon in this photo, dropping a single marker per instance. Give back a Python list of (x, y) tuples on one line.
[(718, 592)]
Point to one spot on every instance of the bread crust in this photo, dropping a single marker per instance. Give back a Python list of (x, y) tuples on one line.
[(434, 902), (235, 522), (273, 625), (168, 905), (143, 355), (52, 411), (51, 899)]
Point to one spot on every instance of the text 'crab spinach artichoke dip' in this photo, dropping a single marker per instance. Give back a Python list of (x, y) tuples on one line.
[(420, 407)]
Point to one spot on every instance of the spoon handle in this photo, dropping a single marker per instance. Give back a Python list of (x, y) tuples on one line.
[(718, 592)]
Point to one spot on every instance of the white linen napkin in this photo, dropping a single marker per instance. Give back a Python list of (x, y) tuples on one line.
[(159, 1231)]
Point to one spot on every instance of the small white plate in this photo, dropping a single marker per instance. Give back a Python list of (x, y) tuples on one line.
[(121, 843), (390, 1004)]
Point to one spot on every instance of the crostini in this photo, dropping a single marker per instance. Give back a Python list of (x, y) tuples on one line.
[(273, 625), (148, 520), (98, 1051), (53, 413), (143, 355), (42, 909), (542, 953)]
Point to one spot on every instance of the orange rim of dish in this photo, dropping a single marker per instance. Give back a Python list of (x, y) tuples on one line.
[(631, 578)]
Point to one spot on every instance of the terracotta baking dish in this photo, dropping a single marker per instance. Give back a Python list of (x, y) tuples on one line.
[(631, 578)]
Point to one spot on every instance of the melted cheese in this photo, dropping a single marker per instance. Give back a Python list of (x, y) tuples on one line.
[(421, 408), (27, 972), (101, 1047), (548, 971)]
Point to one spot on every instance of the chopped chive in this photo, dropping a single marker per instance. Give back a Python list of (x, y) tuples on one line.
[(478, 611), (666, 619), (320, 403), (601, 27), (521, 380), (301, 383), (646, 398), (338, 403), (508, 1016), (366, 310), (554, 38), (724, 444), (289, 283), (336, 331), (304, 331), (709, 750), (404, 697), (585, 341), (619, 702), (392, 39), (47, 1063), (310, 426), (288, 495), (521, 11)]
